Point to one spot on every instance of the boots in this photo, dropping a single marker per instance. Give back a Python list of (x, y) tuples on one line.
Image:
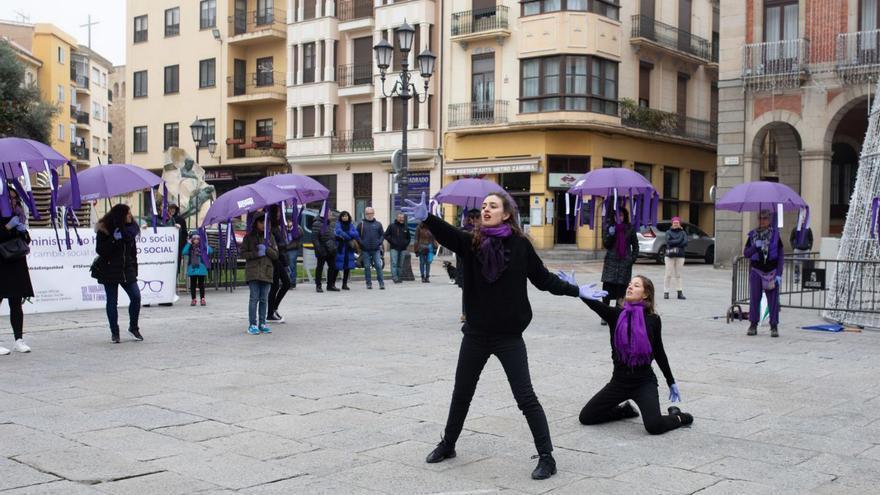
[(114, 336), (442, 452), (318, 288), (774, 332), (681, 295), (685, 418), (546, 467), (753, 330)]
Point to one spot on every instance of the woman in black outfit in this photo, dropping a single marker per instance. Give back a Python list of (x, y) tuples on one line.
[(281, 276), (15, 280), (622, 249), (635, 342), (117, 266), (496, 262)]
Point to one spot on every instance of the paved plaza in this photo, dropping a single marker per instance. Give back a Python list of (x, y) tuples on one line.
[(351, 393)]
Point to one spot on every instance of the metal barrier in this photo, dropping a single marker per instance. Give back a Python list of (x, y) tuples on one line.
[(805, 282)]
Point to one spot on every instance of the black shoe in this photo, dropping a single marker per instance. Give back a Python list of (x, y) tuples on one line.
[(318, 289), (774, 332), (345, 287), (114, 336), (753, 330), (685, 418), (427, 280), (681, 295), (442, 452), (546, 467), (369, 287), (166, 304), (382, 287), (665, 295), (332, 288), (603, 323), (626, 411), (136, 334)]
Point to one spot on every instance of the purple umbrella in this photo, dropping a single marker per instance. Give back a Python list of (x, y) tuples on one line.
[(467, 193), (762, 195), (241, 200), (301, 190), (617, 187), (106, 181), (21, 157)]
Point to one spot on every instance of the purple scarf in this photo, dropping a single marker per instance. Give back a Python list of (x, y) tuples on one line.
[(620, 240), (491, 251), (631, 336)]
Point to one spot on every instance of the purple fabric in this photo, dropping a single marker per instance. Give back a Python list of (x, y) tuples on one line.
[(758, 195), (467, 192), (620, 240), (491, 251), (131, 230), (631, 336), (300, 187), (772, 250), (603, 181)]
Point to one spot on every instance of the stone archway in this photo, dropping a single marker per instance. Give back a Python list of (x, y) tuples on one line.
[(844, 136), (776, 157)]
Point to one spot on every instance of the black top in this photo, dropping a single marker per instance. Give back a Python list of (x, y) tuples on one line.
[(653, 324), (15, 279), (502, 307), (397, 235), (808, 240), (118, 258)]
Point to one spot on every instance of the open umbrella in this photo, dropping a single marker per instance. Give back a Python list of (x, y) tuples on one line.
[(242, 200), (467, 193), (763, 195), (616, 187), (300, 190), (21, 157)]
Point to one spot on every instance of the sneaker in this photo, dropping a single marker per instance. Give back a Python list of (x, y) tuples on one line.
[(381, 286), (253, 330), (753, 330), (20, 346), (369, 287), (136, 334), (203, 303), (4, 351), (275, 317), (265, 329), (685, 418), (114, 336), (546, 467), (193, 303)]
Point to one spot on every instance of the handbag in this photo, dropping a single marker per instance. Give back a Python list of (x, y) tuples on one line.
[(14, 249), (95, 269)]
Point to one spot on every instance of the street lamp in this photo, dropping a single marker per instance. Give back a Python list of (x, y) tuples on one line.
[(198, 132), (403, 88)]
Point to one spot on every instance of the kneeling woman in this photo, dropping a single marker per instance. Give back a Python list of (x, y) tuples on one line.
[(496, 259), (635, 342)]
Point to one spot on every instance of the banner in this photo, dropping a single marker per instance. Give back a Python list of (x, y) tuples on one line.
[(62, 282)]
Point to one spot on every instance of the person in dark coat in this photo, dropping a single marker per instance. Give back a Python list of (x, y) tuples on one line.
[(324, 240), (622, 249), (398, 237), (346, 245), (801, 247), (175, 220), (117, 266), (281, 277), (372, 237), (15, 280), (676, 243)]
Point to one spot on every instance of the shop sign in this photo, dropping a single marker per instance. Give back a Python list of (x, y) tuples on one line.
[(219, 175), (561, 180), (493, 169), (418, 183)]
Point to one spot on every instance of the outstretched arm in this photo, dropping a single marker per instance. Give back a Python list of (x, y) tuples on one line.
[(449, 236), (546, 281), (604, 311)]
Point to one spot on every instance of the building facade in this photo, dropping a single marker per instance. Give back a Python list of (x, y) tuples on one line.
[(546, 90), (90, 104), (116, 126), (31, 63), (342, 129), (218, 61), (795, 83)]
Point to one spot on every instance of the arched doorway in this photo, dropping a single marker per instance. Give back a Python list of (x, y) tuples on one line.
[(777, 158), (846, 147)]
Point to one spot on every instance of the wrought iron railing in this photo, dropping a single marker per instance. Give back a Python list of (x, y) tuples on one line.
[(79, 152), (775, 64), (858, 56), (349, 10), (256, 83), (242, 22), (354, 74), (82, 118), (667, 123), (670, 36), (477, 113), (352, 141), (479, 20)]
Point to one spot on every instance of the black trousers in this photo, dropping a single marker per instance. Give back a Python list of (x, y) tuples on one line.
[(280, 286), (16, 316), (197, 282), (331, 280), (603, 407), (331, 269), (511, 351)]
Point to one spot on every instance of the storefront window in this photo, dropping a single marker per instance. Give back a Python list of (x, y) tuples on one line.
[(518, 186), (328, 181)]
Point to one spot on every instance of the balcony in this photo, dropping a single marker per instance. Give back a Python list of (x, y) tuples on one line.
[(110, 128), (667, 123), (257, 87), (73, 111), (79, 153), (261, 147), (775, 65), (354, 79), (82, 119), (858, 56), (250, 27), (478, 24), (81, 80), (647, 31), (351, 10), (475, 114), (352, 141)]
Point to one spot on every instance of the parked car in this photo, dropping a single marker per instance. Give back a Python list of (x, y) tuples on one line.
[(652, 242)]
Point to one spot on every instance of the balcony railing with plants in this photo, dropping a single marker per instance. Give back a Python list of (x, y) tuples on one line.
[(480, 20), (354, 74), (775, 64), (256, 83), (667, 123), (858, 56), (243, 22), (477, 113), (349, 10), (352, 141), (670, 37), (79, 152), (259, 146)]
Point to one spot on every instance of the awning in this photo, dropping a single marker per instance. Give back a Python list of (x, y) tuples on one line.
[(484, 167)]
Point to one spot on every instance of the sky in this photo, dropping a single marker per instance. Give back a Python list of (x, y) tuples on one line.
[(108, 36)]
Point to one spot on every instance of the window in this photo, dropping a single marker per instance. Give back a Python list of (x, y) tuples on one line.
[(60, 54), (96, 76), (869, 16), (172, 79), (264, 71), (140, 139), (207, 14), (308, 9), (396, 114), (140, 29), (96, 144), (308, 119), (172, 135), (698, 179), (328, 181), (61, 93), (309, 63), (207, 73), (644, 169), (264, 127), (645, 84), (607, 8), (670, 191), (570, 82), (210, 132), (172, 22), (363, 194), (140, 84), (611, 163), (61, 132)]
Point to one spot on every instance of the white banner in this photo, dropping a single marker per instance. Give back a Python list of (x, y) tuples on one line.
[(62, 281)]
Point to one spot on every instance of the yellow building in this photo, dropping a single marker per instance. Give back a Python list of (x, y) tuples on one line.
[(550, 90), (220, 61), (53, 47)]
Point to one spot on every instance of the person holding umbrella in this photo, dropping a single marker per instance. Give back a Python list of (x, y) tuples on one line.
[(497, 261), (16, 280), (324, 241), (622, 249), (117, 266), (260, 253), (281, 277), (766, 255)]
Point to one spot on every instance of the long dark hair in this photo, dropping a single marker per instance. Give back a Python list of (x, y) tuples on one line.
[(116, 217), (510, 208), (344, 214), (274, 216), (649, 294), (612, 216)]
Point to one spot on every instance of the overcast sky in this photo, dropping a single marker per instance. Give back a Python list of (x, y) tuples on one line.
[(108, 36)]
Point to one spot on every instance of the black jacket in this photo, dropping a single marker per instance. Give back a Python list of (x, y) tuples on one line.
[(372, 235), (397, 235), (117, 262), (502, 307), (808, 240), (323, 239), (653, 324), (280, 237), (617, 270), (15, 279)]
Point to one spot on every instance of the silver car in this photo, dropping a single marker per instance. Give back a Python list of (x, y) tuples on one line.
[(652, 242)]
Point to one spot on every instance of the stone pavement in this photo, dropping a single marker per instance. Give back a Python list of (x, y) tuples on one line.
[(351, 394)]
